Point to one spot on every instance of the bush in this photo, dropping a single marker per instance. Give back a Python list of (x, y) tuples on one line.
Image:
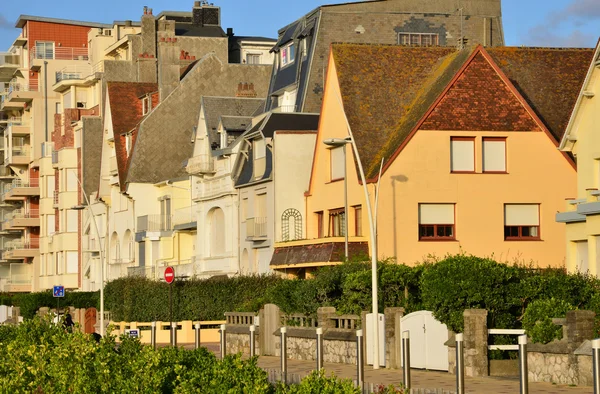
[(537, 320), (31, 302), (461, 282)]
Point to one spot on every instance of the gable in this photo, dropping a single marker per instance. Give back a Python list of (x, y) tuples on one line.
[(480, 100)]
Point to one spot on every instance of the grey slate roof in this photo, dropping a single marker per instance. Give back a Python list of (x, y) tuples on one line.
[(267, 127), (163, 143), (217, 107), (236, 123), (24, 18)]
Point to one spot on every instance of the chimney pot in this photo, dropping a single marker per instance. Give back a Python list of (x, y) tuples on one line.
[(196, 4), (230, 31)]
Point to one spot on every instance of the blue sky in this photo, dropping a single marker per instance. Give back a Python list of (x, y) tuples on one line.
[(526, 22)]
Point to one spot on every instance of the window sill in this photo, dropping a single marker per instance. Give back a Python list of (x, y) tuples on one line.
[(438, 240), (495, 172), (334, 180), (523, 239), (463, 172)]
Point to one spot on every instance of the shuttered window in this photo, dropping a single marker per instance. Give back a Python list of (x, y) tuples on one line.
[(462, 152), (436, 222), (494, 155), (337, 163), (521, 221)]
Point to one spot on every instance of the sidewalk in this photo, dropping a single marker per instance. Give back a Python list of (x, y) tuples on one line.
[(430, 380)]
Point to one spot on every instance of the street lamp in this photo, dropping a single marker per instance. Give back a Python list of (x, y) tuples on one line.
[(375, 306), (89, 207), (336, 143)]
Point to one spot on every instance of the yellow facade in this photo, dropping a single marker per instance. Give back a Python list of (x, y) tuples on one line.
[(537, 173), (581, 214)]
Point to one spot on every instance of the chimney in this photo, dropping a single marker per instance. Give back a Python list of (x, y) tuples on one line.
[(230, 31), (128, 23), (246, 89), (197, 17)]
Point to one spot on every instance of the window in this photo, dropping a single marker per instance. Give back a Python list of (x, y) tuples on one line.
[(337, 163), (252, 58), (337, 223), (287, 55), (494, 155), (44, 50), (165, 213), (72, 262), (128, 141), (72, 220), (216, 220), (521, 222), (319, 224), (146, 105), (259, 150), (436, 222), (462, 153), (358, 221), (261, 206), (418, 39), (50, 224), (71, 180)]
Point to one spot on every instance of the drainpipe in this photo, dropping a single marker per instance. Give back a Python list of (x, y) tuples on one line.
[(46, 97)]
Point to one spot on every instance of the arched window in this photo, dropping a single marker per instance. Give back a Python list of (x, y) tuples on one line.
[(115, 248), (128, 245), (291, 225), (216, 226)]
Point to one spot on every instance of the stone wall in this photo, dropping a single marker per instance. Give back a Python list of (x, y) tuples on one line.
[(239, 342), (339, 346)]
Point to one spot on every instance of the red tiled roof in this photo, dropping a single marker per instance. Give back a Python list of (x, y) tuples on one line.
[(548, 78), (126, 113)]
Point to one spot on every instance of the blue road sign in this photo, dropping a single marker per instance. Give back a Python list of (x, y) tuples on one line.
[(59, 291)]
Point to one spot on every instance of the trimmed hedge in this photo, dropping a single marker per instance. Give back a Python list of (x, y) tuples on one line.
[(29, 303)]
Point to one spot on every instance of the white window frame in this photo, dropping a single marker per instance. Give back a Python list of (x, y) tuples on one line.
[(44, 54), (255, 56), (287, 54), (494, 156), (460, 164), (418, 37)]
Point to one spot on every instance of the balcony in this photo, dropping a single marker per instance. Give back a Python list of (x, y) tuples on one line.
[(118, 268), (256, 229), (22, 249), (17, 156), (143, 272), (19, 190), (184, 218), (6, 174), (201, 164), (74, 75), (9, 63), (19, 219), (18, 279), (17, 94), (37, 56), (15, 126), (285, 108), (154, 223), (578, 210)]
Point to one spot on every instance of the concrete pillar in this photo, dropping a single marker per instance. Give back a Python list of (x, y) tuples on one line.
[(393, 337), (323, 314), (476, 342), (270, 322)]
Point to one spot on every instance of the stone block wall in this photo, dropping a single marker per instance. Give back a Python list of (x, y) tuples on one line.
[(239, 342), (303, 346)]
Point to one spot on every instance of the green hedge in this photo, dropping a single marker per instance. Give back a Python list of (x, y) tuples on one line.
[(29, 303)]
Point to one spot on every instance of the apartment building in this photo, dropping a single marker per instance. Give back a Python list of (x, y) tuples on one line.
[(41, 55)]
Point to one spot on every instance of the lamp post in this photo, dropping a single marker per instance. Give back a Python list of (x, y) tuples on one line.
[(375, 306), (336, 143), (91, 212)]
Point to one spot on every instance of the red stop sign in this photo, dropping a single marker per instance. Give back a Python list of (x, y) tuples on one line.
[(169, 275)]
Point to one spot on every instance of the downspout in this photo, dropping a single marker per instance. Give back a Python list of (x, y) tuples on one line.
[(46, 98)]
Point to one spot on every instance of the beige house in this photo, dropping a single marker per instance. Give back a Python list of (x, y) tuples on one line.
[(582, 213), (456, 138)]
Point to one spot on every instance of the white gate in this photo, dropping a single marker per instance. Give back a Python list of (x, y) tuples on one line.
[(427, 337)]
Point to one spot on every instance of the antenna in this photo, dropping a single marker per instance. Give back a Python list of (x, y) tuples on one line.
[(461, 40)]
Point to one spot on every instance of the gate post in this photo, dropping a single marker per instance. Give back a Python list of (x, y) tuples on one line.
[(393, 336), (476, 342)]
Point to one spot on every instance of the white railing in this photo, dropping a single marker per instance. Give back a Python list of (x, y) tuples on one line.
[(256, 227), (98, 67), (58, 53), (146, 272), (200, 164), (32, 86), (285, 108), (21, 183), (25, 214), (23, 244), (13, 121), (505, 331), (19, 279), (74, 72), (184, 215), (20, 150)]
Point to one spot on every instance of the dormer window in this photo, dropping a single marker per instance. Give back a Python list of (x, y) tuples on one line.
[(128, 143), (287, 54), (146, 105), (418, 39), (259, 150)]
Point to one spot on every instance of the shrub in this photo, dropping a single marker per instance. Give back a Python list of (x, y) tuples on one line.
[(461, 282), (537, 320), (318, 383)]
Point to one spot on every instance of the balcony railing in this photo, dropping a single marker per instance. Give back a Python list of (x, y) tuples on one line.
[(58, 53), (19, 279), (285, 108), (13, 121), (201, 164), (17, 183), (155, 223), (144, 272), (74, 72), (32, 86), (54, 157), (23, 244), (8, 59), (20, 150), (25, 214), (256, 227)]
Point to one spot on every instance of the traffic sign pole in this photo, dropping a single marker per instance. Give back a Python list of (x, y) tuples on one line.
[(170, 278)]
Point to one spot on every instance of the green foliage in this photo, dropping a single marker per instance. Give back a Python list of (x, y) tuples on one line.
[(29, 303), (40, 357), (318, 383), (461, 282), (537, 320)]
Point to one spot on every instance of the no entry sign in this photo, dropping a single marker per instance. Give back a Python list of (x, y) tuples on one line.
[(169, 275)]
